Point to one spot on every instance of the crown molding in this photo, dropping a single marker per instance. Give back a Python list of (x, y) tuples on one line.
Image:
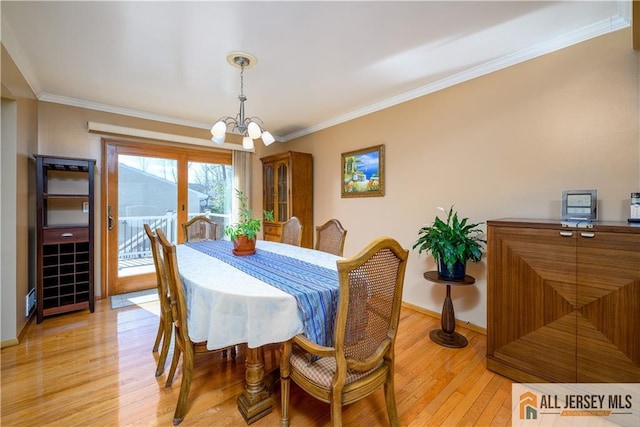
[(597, 29), (75, 102), (10, 42), (615, 23)]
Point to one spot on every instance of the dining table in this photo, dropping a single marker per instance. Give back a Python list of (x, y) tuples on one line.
[(265, 298)]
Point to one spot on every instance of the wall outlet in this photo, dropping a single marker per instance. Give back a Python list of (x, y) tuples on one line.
[(30, 302)]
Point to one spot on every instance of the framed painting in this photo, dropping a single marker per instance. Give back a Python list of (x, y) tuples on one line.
[(363, 172)]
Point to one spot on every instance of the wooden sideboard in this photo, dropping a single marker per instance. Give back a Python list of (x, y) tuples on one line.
[(563, 304)]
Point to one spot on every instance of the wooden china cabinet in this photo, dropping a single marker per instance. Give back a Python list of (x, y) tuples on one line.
[(287, 190), (563, 304), (64, 229)]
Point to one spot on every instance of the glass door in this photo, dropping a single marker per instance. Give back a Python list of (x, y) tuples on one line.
[(160, 186), (147, 194)]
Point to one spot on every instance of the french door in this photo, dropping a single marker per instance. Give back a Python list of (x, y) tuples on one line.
[(161, 186)]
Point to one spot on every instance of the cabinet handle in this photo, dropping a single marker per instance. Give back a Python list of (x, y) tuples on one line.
[(588, 234), (566, 233), (66, 235)]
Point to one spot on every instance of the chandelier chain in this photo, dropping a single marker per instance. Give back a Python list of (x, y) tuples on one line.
[(242, 97)]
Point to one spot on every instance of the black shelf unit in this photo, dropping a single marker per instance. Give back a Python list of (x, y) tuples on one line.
[(65, 234)]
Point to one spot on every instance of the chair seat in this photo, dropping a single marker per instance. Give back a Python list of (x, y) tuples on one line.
[(321, 371)]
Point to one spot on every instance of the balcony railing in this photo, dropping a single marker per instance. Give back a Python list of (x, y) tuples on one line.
[(133, 242)]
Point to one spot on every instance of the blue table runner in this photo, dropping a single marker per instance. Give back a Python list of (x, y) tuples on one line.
[(315, 288)]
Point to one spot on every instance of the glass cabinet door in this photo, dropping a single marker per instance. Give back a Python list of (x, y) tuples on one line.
[(269, 188), (282, 214)]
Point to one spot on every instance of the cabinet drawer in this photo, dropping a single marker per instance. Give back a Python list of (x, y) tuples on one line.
[(64, 235), (272, 229)]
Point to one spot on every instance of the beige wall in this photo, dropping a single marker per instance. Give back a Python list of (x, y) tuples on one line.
[(63, 132), (19, 137), (502, 145)]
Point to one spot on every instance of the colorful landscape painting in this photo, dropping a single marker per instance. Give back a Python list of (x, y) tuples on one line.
[(363, 172)]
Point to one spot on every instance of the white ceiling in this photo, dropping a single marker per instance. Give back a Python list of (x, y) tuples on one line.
[(319, 63)]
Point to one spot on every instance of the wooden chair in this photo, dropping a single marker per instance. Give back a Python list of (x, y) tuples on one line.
[(200, 228), (330, 237), (292, 232), (182, 343), (166, 322), (361, 359)]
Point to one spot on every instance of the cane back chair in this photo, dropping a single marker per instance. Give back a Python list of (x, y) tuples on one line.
[(292, 232), (166, 324), (182, 343), (200, 228), (330, 237), (362, 356)]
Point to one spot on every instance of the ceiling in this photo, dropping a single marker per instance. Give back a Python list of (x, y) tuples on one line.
[(319, 63)]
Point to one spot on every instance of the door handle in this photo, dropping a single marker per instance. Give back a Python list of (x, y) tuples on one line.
[(566, 233), (588, 234), (109, 219)]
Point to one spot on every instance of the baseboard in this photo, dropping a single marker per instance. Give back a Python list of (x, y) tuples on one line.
[(436, 315), (21, 335), (9, 343), (25, 328)]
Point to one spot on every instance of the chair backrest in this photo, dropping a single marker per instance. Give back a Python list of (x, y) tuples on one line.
[(369, 304), (330, 237), (158, 261), (174, 283), (200, 228), (292, 232)]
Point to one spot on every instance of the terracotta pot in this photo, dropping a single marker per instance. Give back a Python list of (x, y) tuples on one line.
[(244, 246)]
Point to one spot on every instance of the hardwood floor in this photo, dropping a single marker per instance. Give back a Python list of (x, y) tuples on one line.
[(83, 369)]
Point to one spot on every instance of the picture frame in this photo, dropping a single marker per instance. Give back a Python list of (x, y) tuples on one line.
[(363, 172)]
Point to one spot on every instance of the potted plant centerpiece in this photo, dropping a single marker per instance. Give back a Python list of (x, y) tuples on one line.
[(451, 243), (243, 233)]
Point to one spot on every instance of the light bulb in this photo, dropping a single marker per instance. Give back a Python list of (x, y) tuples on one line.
[(219, 129), (253, 130), (267, 138), (247, 143)]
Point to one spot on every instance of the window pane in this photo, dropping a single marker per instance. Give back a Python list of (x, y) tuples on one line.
[(209, 194), (147, 194)]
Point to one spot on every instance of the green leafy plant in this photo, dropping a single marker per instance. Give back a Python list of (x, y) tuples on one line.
[(451, 241), (247, 225)]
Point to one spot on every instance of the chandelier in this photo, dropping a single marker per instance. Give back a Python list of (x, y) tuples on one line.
[(248, 127)]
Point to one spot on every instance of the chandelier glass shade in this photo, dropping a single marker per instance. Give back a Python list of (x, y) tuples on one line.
[(249, 127)]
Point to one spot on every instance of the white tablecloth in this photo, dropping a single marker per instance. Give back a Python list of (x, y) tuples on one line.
[(228, 307)]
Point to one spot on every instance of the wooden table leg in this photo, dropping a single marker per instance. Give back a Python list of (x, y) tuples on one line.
[(255, 401), (447, 336)]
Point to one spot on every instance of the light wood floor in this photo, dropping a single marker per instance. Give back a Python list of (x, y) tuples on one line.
[(83, 369)]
